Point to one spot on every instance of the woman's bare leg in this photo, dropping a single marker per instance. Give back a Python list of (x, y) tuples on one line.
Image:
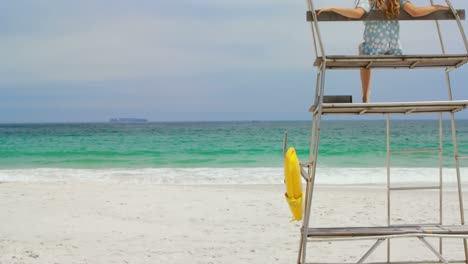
[(365, 81)]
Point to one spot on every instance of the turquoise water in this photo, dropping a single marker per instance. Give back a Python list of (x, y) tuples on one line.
[(218, 144)]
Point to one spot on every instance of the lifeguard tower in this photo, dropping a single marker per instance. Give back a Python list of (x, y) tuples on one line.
[(328, 105)]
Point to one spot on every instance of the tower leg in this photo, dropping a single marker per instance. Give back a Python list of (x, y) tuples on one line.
[(388, 184), (308, 199), (459, 186), (441, 180), (315, 140)]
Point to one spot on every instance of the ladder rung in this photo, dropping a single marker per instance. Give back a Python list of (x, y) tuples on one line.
[(462, 157), (414, 188), (415, 151)]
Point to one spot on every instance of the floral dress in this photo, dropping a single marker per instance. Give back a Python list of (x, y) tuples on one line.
[(380, 37)]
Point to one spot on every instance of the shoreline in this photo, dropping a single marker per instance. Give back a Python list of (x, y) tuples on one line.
[(220, 176)]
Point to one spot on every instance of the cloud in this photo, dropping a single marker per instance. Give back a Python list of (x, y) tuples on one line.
[(125, 41), (132, 46)]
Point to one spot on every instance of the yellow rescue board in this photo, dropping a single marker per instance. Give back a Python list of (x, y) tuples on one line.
[(292, 179)]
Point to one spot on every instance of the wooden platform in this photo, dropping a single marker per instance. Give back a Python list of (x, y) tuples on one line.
[(378, 15), (387, 231), (339, 62), (393, 108)]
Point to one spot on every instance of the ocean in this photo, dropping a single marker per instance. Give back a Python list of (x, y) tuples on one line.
[(221, 152)]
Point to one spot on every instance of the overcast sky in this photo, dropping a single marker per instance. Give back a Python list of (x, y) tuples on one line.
[(88, 60)]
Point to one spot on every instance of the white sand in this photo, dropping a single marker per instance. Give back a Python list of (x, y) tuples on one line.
[(97, 222)]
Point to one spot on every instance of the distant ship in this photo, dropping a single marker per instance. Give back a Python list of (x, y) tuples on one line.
[(128, 120)]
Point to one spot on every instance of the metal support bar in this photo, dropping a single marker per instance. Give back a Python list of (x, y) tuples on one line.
[(439, 32), (315, 140), (449, 85), (317, 83), (388, 184), (449, 69), (460, 26), (441, 182), (304, 175), (303, 240), (460, 63), (452, 118), (315, 39), (309, 188), (315, 23), (285, 143), (370, 251), (459, 186), (433, 250)]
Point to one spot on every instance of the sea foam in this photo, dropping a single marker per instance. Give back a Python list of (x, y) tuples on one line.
[(228, 175)]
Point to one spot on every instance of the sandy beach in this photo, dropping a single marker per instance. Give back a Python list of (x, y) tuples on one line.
[(111, 222)]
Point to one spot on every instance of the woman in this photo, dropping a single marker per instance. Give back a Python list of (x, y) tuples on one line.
[(381, 37)]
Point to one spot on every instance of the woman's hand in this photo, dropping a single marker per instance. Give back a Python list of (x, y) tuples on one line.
[(441, 7), (326, 9), (420, 11), (354, 13)]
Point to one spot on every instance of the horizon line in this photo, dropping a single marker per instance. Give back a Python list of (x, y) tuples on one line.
[(220, 121)]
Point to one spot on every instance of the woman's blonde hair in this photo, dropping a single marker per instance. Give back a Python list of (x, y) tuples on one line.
[(390, 7)]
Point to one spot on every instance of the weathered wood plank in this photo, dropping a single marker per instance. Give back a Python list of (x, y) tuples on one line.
[(392, 108), (377, 15), (393, 62)]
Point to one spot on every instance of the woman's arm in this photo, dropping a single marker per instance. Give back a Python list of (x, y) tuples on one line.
[(418, 11), (357, 12)]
